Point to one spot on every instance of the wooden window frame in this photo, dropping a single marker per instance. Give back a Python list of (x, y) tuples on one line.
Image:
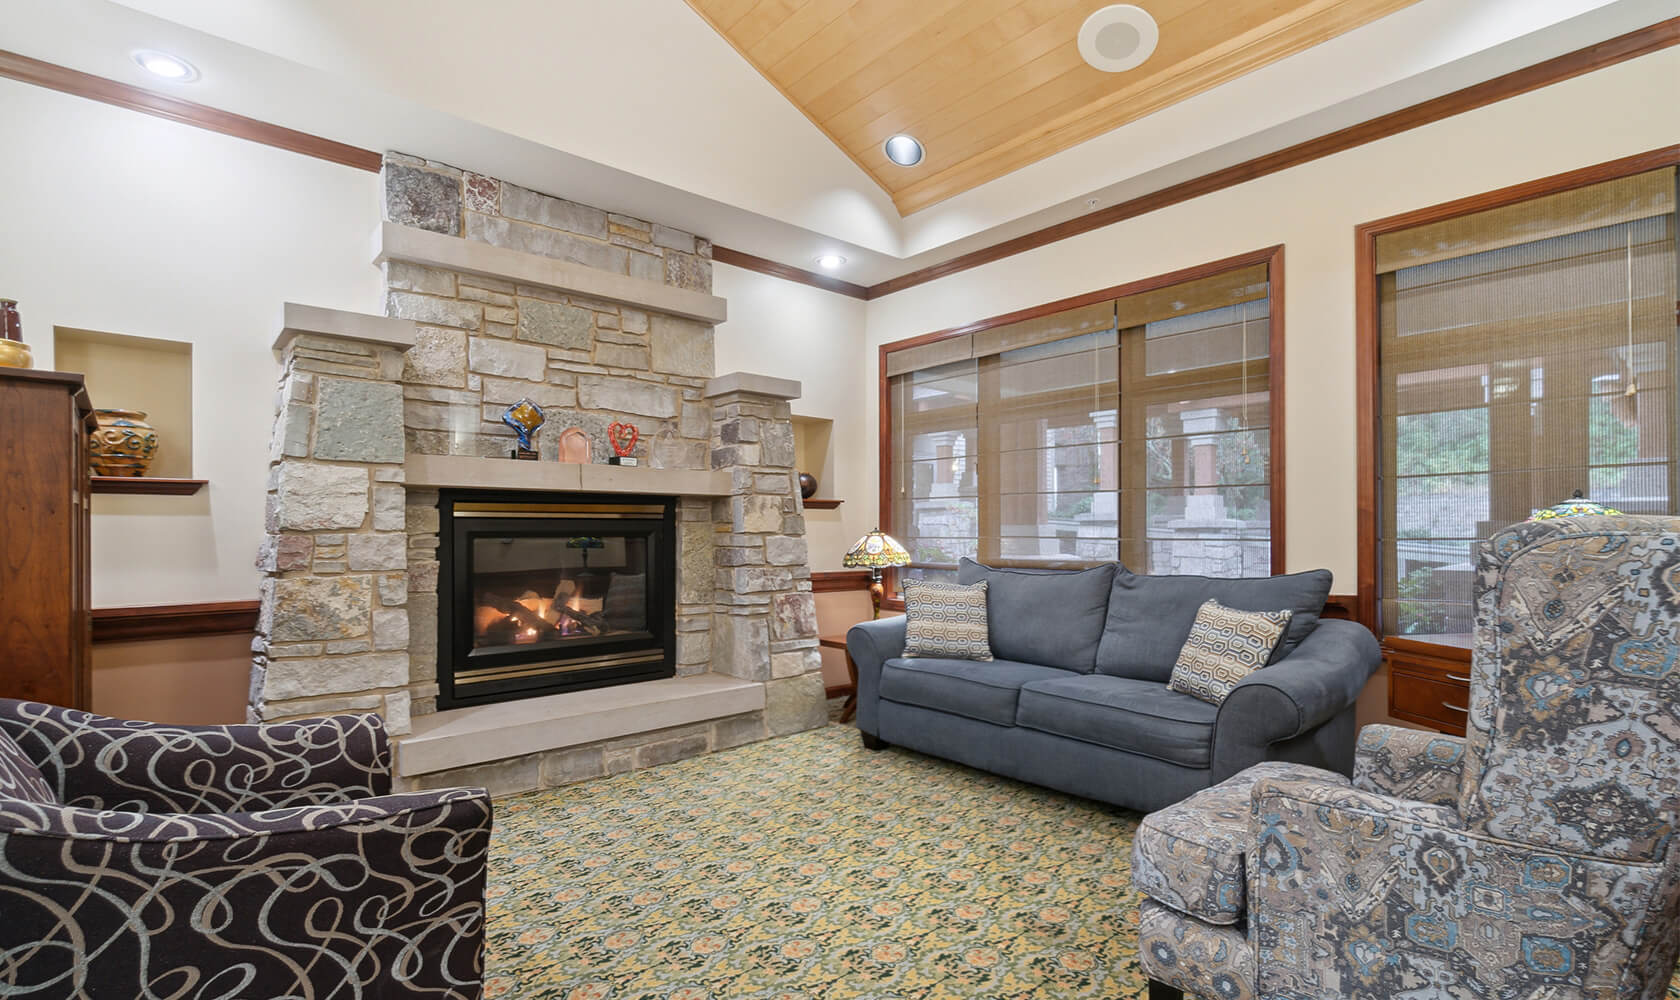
[(1271, 256), (1368, 332)]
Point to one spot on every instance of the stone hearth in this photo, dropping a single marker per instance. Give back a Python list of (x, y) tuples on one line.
[(496, 293)]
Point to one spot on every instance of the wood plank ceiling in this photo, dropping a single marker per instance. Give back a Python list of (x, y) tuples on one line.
[(989, 86)]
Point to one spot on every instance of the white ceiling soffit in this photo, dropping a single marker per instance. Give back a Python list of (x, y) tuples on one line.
[(638, 106)]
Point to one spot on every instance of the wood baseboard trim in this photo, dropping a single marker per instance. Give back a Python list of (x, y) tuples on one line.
[(1344, 606), (174, 621), (839, 580), (124, 95)]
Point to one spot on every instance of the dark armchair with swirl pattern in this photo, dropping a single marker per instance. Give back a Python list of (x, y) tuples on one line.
[(141, 860)]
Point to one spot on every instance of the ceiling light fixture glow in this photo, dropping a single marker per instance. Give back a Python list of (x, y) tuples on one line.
[(162, 64), (830, 261), (903, 150), (1118, 37)]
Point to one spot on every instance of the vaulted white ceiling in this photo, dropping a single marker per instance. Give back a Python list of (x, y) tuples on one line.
[(639, 106)]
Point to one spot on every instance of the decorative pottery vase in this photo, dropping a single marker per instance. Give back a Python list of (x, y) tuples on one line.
[(123, 444), (15, 354), (807, 485)]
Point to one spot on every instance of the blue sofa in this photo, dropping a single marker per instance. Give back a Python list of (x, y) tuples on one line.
[(1076, 698)]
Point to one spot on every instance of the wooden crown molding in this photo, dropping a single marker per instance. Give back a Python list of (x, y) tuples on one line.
[(124, 95), (752, 262), (174, 621), (1632, 45), (1643, 41)]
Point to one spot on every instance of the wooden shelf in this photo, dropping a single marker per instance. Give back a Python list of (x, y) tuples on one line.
[(815, 504), (147, 485)]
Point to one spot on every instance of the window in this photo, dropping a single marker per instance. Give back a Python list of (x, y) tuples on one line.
[(1132, 425), (1523, 353)]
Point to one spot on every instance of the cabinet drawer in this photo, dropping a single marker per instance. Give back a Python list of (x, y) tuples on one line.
[(1428, 699)]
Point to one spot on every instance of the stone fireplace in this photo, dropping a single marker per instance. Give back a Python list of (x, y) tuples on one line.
[(402, 571)]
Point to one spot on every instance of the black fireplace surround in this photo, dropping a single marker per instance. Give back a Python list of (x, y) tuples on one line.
[(540, 593)]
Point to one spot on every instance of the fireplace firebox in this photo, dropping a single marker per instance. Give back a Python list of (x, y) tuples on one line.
[(539, 594)]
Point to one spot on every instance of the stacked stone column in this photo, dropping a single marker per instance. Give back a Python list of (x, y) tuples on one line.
[(333, 632), (764, 624)]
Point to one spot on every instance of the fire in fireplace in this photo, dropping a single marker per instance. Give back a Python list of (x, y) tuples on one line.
[(557, 593)]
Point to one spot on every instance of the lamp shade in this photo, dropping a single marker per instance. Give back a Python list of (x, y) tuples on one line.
[(876, 550), (1575, 506)]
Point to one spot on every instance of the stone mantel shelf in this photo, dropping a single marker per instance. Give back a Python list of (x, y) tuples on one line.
[(392, 241), (462, 737), (507, 474)]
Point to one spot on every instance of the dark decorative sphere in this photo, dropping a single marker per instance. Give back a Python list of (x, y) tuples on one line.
[(807, 485)]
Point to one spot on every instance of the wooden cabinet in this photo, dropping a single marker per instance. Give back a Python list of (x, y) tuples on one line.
[(45, 594), (1429, 682)]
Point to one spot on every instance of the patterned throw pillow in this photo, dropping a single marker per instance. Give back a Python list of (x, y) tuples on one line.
[(1225, 645), (946, 619)]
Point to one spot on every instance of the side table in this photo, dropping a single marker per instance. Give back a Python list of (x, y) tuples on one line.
[(848, 710)]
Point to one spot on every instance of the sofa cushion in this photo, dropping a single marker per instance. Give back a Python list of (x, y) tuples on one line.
[(1149, 617), (1053, 617), (1189, 856), (1225, 646), (945, 620), (979, 690), (20, 778), (1140, 717)]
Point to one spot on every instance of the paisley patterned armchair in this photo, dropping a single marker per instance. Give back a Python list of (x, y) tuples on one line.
[(1537, 857), (230, 861)]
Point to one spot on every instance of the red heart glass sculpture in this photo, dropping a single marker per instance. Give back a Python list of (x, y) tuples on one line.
[(623, 438)]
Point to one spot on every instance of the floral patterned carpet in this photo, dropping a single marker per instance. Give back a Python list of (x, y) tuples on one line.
[(807, 868)]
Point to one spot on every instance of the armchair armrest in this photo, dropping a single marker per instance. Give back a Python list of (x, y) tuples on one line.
[(1319, 680), (1409, 764), (383, 896), (871, 644), (96, 762), (1355, 894)]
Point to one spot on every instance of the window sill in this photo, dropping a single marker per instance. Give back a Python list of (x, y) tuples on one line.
[(1450, 646)]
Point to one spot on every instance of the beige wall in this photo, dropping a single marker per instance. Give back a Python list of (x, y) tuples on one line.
[(126, 223), (201, 681), (1312, 209), (790, 330)]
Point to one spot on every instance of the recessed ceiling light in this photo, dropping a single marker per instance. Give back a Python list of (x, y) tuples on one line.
[(903, 150), (171, 68), (1118, 37), (830, 261)]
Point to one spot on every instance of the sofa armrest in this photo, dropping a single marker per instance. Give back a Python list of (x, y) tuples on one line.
[(1409, 764), (379, 897), (871, 644), (1316, 682), (100, 763)]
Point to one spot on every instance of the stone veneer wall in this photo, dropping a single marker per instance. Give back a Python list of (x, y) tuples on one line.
[(350, 597)]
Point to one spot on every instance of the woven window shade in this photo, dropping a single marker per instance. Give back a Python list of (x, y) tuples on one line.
[(1625, 199), (1528, 354), (940, 352), (1070, 440)]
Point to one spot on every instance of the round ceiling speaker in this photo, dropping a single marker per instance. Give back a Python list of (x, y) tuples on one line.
[(1118, 37)]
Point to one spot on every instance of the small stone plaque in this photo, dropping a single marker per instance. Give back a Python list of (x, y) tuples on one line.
[(523, 454), (622, 460)]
